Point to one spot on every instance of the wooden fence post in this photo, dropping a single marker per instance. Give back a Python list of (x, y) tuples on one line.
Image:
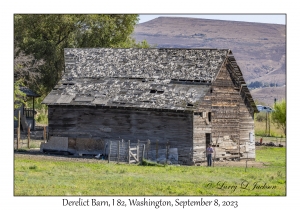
[(18, 130), (109, 151), (143, 153), (148, 147), (156, 149), (246, 163), (138, 150), (28, 136), (128, 151), (118, 151), (44, 134), (269, 124), (167, 152), (266, 124)]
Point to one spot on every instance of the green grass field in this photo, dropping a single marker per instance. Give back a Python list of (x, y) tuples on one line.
[(45, 177)]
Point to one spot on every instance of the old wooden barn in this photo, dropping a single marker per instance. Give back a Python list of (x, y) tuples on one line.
[(185, 98)]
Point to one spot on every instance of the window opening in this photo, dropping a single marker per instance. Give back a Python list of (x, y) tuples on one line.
[(198, 113), (68, 83), (209, 116)]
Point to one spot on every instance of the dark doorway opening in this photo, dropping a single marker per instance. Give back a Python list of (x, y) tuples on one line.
[(207, 139)]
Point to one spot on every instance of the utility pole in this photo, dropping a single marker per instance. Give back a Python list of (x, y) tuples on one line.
[(266, 124), (269, 124)]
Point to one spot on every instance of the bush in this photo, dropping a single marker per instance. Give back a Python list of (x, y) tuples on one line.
[(150, 163), (42, 119), (260, 117), (33, 167), (279, 115)]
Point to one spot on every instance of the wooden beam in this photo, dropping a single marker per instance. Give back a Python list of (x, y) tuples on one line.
[(109, 151), (18, 131), (44, 134), (138, 150), (128, 151), (33, 121), (28, 136), (143, 152), (133, 155), (118, 152)]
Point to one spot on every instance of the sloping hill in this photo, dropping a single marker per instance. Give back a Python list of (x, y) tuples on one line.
[(259, 48), (266, 95)]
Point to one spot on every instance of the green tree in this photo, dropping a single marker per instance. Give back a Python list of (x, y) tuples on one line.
[(26, 69), (25, 74), (279, 115), (19, 96), (45, 36)]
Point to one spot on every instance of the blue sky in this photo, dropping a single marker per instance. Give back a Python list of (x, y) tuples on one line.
[(261, 18)]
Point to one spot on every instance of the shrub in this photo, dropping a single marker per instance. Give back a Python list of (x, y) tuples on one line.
[(150, 163), (33, 167), (260, 117), (42, 119)]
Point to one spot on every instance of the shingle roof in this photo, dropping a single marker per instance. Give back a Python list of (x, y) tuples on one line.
[(122, 92), (173, 79), (187, 64)]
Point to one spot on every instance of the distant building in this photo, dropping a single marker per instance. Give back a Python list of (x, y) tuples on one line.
[(186, 97), (26, 114)]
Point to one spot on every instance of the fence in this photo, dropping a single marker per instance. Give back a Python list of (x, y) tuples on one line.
[(27, 139), (28, 112), (135, 152)]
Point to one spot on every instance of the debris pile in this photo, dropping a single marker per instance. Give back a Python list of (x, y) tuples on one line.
[(270, 144)]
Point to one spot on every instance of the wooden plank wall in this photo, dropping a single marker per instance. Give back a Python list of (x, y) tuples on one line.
[(104, 125), (231, 120), (246, 127), (201, 127), (225, 116), (225, 107)]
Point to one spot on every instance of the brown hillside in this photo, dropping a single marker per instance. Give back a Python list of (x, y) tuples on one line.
[(260, 49), (266, 95)]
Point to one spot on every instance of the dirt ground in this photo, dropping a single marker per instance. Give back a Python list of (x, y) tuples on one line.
[(35, 154)]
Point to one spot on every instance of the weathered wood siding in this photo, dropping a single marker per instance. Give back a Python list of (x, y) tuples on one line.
[(101, 125), (246, 129), (230, 124), (225, 107), (231, 120), (201, 127)]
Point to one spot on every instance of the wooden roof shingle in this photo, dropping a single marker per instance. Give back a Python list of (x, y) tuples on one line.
[(172, 79)]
